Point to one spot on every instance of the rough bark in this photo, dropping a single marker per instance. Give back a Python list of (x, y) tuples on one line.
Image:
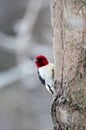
[(68, 18)]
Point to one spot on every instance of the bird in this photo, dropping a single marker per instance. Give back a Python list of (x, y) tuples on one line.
[(45, 72)]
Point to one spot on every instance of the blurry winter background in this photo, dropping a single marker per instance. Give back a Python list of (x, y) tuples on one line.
[(25, 31)]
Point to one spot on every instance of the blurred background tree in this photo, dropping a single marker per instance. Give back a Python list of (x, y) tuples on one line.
[(25, 32)]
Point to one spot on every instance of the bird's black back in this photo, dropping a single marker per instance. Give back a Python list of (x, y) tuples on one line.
[(41, 79)]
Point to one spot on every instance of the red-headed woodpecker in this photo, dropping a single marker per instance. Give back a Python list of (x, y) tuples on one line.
[(45, 72)]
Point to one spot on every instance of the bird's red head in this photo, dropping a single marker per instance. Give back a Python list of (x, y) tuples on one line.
[(40, 61)]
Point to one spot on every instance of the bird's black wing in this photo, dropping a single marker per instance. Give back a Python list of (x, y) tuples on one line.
[(50, 89), (41, 79)]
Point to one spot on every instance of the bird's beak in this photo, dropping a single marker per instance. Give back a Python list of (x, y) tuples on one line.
[(33, 59)]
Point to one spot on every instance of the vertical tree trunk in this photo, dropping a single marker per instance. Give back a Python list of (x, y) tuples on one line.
[(68, 19)]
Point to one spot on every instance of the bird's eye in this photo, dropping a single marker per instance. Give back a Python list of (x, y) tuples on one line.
[(39, 59)]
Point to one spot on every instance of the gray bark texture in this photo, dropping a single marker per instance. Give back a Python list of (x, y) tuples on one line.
[(68, 18)]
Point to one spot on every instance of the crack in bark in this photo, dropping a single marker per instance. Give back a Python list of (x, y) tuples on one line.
[(62, 41)]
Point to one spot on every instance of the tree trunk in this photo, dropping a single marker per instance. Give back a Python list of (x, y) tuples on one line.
[(68, 19)]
